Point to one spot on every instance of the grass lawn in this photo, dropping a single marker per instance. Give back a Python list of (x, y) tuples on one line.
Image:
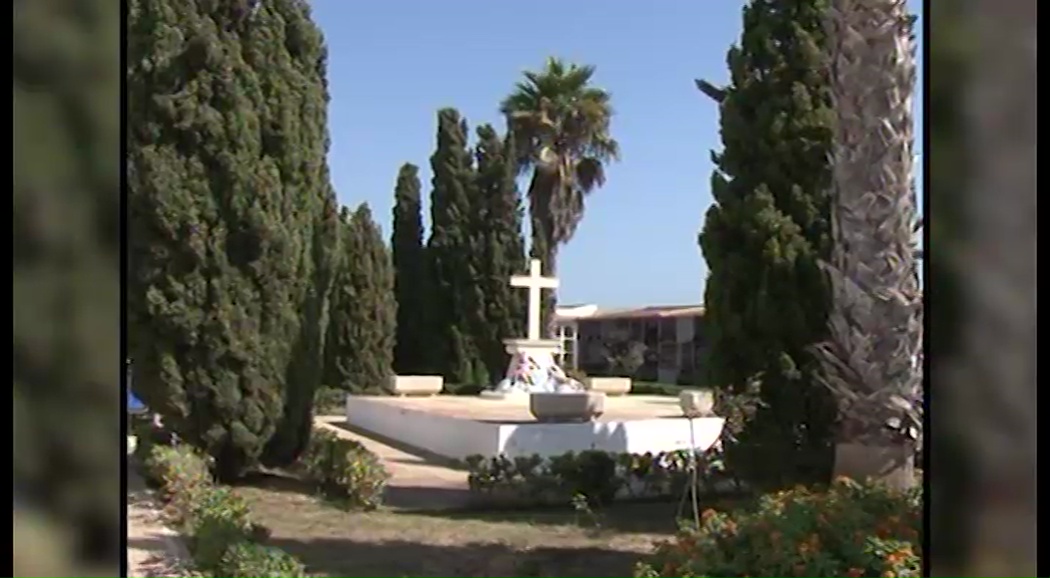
[(394, 542)]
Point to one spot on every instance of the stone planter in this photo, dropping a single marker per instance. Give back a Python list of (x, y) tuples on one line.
[(697, 403), (891, 465), (416, 385), (567, 407), (611, 386)]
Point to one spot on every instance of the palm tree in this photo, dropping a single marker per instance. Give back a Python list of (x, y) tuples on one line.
[(875, 321), (560, 127)]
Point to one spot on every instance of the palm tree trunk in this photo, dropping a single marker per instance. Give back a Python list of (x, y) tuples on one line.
[(544, 244), (875, 321), (546, 250)]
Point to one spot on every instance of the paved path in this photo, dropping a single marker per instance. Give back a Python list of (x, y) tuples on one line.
[(418, 481), (154, 550)]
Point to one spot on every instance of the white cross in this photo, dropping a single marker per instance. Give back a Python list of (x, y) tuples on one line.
[(534, 282)]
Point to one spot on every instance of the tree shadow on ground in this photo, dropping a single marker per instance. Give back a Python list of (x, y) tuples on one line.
[(349, 559), (641, 516), (278, 482), (637, 517)]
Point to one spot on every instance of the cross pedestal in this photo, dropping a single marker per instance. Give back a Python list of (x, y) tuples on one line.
[(535, 353)]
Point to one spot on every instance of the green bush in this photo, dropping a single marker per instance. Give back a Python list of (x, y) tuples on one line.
[(344, 470), (220, 521), (250, 560), (849, 529), (654, 388), (147, 436), (329, 401), (598, 477), (461, 389), (184, 475), (222, 538)]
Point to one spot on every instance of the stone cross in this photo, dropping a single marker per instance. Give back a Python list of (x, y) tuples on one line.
[(534, 282)]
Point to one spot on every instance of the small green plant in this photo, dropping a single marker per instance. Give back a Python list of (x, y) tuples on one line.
[(585, 514), (344, 470), (220, 521), (849, 529), (251, 560)]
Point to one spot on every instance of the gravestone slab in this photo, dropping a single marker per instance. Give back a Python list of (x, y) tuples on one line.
[(416, 384), (608, 385)]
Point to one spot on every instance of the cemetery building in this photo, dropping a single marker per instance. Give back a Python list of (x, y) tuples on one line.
[(674, 337)]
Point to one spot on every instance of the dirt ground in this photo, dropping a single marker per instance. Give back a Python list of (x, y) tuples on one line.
[(402, 542)]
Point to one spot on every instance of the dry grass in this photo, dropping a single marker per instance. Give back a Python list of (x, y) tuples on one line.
[(392, 542)]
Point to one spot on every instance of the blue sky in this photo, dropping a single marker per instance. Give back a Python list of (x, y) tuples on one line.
[(393, 64)]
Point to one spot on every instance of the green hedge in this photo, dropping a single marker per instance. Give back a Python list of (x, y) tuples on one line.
[(595, 476)]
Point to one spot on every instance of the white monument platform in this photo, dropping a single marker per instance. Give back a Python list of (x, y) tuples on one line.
[(460, 426)]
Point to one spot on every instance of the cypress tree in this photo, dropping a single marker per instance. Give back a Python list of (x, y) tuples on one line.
[(500, 249), (766, 298), (231, 223), (360, 346), (455, 295), (410, 281)]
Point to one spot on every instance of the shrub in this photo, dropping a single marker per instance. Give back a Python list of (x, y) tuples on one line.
[(595, 476), (850, 529), (184, 475), (329, 401), (219, 521), (344, 470), (222, 538), (654, 388), (462, 389), (250, 560), (147, 436)]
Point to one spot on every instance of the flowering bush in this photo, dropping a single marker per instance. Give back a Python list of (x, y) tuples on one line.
[(850, 529), (184, 476), (344, 470)]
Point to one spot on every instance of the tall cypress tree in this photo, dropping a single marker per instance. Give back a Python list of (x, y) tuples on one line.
[(500, 248), (766, 298), (410, 281), (360, 346), (231, 220), (455, 294)]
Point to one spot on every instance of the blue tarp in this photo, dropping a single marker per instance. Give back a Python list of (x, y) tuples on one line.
[(135, 405)]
